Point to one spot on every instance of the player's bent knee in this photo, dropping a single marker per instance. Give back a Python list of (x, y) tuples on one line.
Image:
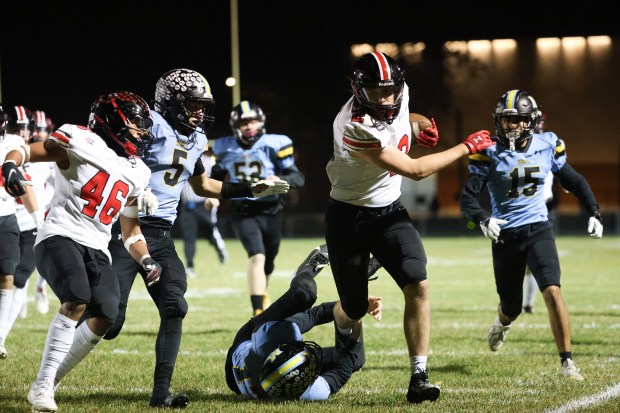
[(176, 308), (305, 290), (115, 329), (355, 311)]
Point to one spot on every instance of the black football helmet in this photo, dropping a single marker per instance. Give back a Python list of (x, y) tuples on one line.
[(20, 121), (245, 111), (290, 369), (517, 105), (377, 73), (173, 93), (4, 122), (110, 118)]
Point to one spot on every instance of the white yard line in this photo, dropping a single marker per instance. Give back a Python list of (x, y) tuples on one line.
[(611, 393)]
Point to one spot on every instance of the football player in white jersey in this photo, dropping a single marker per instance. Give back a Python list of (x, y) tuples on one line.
[(99, 178), (372, 137), (15, 125)]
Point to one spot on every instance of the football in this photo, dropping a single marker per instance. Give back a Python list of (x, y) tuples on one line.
[(418, 123)]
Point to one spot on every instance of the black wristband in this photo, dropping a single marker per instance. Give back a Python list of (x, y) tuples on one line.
[(236, 190)]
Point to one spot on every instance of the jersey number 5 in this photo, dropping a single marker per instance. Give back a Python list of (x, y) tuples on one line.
[(92, 193)]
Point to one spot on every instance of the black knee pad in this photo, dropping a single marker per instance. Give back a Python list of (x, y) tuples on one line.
[(269, 267), (174, 307), (512, 310), (304, 287), (8, 266), (355, 310), (116, 328)]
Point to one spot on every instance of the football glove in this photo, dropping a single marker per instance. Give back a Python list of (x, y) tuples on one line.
[(491, 227), (14, 180), (373, 266), (147, 202), (595, 226), (429, 136), (478, 141), (266, 187), (153, 271)]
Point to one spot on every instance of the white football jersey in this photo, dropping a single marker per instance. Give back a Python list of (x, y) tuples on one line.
[(356, 181), (7, 202), (90, 194), (39, 174)]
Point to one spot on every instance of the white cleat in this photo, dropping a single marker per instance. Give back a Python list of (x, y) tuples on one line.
[(497, 335), (190, 273), (41, 396), (570, 371), (42, 301), (3, 352)]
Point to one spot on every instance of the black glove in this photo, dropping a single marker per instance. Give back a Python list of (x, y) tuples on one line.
[(14, 181), (153, 271)]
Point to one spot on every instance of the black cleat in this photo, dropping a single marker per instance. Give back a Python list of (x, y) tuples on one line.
[(373, 266), (316, 260), (420, 389), (174, 401)]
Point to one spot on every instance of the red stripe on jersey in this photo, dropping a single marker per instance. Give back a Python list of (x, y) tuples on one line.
[(361, 145), (61, 137), (383, 66)]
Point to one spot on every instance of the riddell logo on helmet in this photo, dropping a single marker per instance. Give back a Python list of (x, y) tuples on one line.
[(386, 83)]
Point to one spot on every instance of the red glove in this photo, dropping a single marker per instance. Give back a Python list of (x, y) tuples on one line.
[(478, 141), (429, 136)]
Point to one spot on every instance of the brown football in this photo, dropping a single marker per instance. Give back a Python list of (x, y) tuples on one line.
[(418, 123)]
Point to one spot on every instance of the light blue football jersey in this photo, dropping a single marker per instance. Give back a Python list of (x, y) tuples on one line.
[(171, 159), (515, 179), (268, 156)]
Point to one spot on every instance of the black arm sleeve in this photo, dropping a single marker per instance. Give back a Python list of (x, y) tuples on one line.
[(199, 168), (319, 314), (470, 204), (342, 371), (293, 176), (218, 172), (576, 184)]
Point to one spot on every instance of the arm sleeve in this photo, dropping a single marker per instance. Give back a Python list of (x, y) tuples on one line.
[(293, 176), (319, 314), (218, 172), (575, 183), (342, 371), (199, 168), (470, 204)]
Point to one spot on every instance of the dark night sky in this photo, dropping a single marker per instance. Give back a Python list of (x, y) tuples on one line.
[(59, 56)]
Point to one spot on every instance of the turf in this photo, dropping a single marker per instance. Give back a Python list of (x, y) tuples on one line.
[(522, 377)]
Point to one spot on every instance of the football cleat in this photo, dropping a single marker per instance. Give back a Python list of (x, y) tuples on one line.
[(3, 352), (41, 396), (420, 389), (174, 401), (42, 301), (190, 273), (497, 335), (570, 371), (316, 260)]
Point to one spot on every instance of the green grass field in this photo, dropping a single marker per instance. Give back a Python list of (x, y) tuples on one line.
[(522, 377)]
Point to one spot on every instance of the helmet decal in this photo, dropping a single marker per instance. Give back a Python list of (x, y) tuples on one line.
[(384, 68)]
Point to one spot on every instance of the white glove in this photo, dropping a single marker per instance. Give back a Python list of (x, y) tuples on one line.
[(595, 226), (39, 217), (147, 202), (267, 187), (491, 227)]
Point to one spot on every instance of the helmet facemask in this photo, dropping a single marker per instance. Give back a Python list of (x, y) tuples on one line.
[(184, 99), (241, 120), (123, 120), (515, 118), (377, 86), (290, 369)]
